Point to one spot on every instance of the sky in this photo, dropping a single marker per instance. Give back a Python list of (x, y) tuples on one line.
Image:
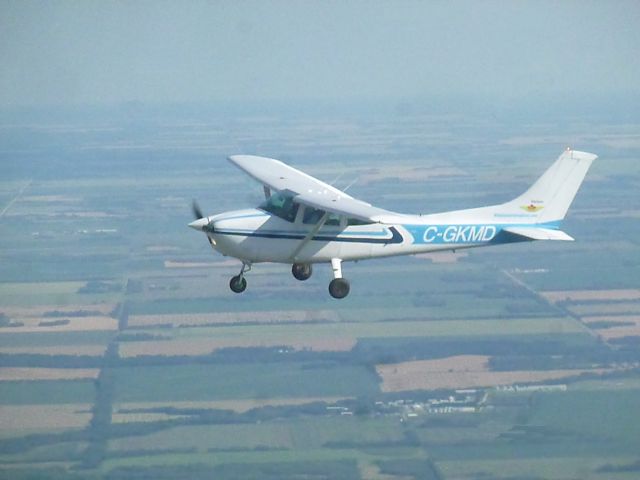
[(111, 52)]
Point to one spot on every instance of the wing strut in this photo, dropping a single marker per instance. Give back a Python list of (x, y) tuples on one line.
[(316, 228)]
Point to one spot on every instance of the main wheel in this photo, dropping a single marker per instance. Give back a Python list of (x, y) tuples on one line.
[(238, 284), (302, 271), (339, 288)]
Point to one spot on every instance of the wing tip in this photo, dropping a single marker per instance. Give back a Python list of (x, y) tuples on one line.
[(579, 155)]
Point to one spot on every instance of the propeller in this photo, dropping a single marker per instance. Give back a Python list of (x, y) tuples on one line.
[(197, 212)]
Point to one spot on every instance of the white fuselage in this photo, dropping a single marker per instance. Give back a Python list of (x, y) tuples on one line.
[(254, 235)]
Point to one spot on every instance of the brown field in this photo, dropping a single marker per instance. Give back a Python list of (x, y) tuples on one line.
[(463, 371), (582, 295), (205, 346), (88, 350), (20, 418), (236, 405), (75, 324), (592, 309), (277, 316), (615, 332), (26, 373)]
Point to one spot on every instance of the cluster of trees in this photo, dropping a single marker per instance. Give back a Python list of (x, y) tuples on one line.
[(54, 323), (5, 321), (98, 431), (73, 313)]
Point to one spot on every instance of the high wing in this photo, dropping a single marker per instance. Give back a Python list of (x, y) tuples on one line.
[(308, 190)]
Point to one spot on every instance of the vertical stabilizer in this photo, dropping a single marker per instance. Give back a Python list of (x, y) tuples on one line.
[(549, 198)]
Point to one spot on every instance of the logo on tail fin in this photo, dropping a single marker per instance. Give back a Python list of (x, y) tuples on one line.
[(532, 207)]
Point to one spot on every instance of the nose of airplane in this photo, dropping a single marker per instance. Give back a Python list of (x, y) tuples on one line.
[(199, 224)]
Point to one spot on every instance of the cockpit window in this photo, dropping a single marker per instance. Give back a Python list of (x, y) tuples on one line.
[(281, 206)]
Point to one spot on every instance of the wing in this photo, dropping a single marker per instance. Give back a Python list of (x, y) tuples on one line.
[(308, 190)]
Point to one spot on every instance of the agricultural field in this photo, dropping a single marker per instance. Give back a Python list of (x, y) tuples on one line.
[(123, 354), (462, 372)]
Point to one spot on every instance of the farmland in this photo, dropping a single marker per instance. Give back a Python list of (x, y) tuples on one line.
[(123, 354)]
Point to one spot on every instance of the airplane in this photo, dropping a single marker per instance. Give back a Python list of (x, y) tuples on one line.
[(304, 221)]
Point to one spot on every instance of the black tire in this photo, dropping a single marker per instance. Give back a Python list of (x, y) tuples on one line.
[(339, 288), (301, 271), (238, 284)]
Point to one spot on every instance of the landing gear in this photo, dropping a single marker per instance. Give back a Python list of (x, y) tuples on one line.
[(339, 287), (238, 284), (302, 271)]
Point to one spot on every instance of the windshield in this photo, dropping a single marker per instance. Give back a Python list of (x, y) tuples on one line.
[(281, 206)]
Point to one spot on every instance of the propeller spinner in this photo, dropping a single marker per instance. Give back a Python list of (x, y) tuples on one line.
[(200, 220)]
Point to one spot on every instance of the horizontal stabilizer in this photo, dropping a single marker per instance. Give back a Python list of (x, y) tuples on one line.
[(536, 233)]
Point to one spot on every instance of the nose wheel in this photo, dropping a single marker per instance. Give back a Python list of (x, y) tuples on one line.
[(238, 284), (339, 287)]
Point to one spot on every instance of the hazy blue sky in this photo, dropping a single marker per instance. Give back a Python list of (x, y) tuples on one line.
[(87, 52)]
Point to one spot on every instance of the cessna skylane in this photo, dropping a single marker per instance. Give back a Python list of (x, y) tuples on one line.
[(304, 221)]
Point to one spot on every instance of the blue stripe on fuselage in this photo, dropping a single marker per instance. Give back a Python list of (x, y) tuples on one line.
[(396, 237), (465, 233)]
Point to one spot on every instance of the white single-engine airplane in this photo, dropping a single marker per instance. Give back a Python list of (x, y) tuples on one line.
[(305, 221)]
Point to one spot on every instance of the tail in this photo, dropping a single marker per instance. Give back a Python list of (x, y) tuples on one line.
[(549, 198)]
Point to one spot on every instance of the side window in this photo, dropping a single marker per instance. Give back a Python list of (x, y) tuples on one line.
[(333, 220), (312, 215)]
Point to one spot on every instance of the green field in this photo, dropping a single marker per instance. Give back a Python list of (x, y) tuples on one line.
[(221, 382), (298, 434), (34, 392)]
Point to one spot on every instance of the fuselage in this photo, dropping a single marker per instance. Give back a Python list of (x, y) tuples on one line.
[(255, 235)]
